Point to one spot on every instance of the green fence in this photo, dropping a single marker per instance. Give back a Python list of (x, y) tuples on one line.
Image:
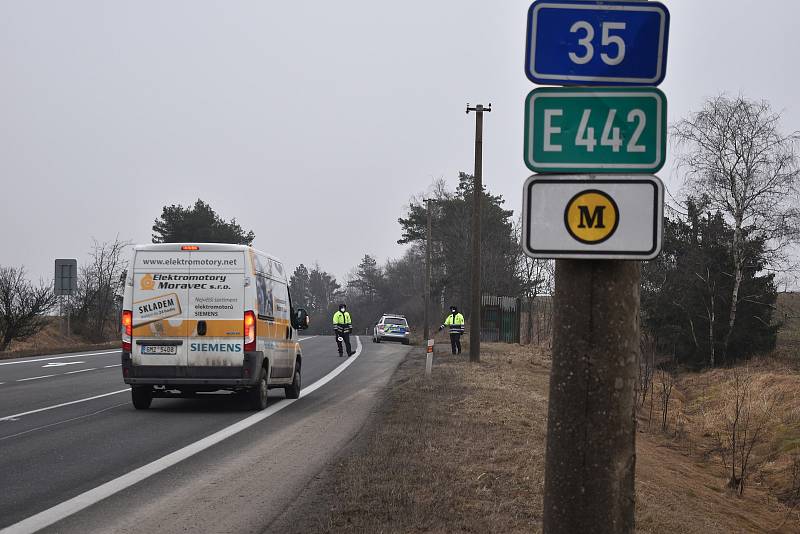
[(500, 319)]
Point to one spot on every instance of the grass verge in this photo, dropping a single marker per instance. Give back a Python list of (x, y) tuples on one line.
[(463, 451), (53, 340)]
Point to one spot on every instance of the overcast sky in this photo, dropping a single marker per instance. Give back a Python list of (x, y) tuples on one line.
[(312, 123)]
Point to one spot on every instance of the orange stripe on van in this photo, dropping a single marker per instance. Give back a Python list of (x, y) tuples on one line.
[(214, 328)]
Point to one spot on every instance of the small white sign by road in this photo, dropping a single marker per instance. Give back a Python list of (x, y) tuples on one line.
[(593, 216), (59, 364)]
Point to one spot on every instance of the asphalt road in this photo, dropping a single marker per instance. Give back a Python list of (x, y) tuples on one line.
[(67, 428)]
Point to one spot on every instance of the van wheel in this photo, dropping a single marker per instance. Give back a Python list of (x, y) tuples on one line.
[(293, 391), (378, 339), (257, 395), (142, 396)]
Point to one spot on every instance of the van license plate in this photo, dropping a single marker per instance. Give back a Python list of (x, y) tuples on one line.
[(159, 349)]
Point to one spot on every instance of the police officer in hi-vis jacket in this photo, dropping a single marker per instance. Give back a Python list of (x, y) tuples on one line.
[(455, 321), (342, 326)]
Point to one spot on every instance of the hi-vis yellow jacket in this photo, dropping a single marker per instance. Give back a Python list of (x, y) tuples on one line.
[(456, 323), (341, 319)]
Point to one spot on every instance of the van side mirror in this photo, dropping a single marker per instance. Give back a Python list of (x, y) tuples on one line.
[(300, 319)]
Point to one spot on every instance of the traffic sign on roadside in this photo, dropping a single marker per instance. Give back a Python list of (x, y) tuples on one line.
[(596, 130), (593, 216), (66, 277), (596, 43)]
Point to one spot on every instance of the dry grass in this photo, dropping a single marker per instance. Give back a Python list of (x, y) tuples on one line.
[(775, 386), (464, 452), (690, 450), (441, 446), (52, 339)]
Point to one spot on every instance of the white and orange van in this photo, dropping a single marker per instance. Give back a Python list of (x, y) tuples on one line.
[(205, 317)]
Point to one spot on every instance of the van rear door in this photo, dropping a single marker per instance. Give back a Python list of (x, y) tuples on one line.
[(215, 309), (160, 307)]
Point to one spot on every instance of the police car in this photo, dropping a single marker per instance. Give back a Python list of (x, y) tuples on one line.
[(391, 327)]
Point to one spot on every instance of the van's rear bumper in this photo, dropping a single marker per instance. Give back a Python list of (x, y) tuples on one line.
[(181, 375)]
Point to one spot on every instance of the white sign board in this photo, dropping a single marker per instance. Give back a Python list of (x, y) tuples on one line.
[(593, 216)]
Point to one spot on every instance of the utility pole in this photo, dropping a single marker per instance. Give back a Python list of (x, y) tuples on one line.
[(477, 194), (427, 268)]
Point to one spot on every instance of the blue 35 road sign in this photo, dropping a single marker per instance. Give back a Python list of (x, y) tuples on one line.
[(573, 42)]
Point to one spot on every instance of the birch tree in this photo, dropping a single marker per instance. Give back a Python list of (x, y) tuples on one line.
[(736, 158)]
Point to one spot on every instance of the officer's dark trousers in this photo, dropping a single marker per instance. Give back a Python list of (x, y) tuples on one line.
[(455, 342), (346, 338)]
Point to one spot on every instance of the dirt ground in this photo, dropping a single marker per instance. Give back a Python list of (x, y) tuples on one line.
[(463, 451)]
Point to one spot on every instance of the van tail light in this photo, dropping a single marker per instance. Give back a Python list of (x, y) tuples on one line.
[(249, 331), (127, 329)]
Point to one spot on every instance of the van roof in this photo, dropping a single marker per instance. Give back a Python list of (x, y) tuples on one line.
[(207, 247)]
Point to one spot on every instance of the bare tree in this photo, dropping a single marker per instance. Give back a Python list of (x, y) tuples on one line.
[(537, 277), (737, 159), (667, 383), (791, 495), (710, 305), (98, 285), (743, 421), (23, 306), (647, 360)]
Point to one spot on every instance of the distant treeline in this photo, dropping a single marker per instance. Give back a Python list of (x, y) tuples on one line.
[(398, 286)]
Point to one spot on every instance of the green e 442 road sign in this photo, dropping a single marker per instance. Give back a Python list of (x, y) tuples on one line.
[(595, 130)]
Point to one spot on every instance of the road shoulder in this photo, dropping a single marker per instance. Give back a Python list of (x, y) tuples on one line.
[(244, 482)]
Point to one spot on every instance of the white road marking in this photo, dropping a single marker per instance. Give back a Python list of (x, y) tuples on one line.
[(33, 378), (81, 371), (115, 365), (60, 364), (18, 415), (62, 357), (333, 374), (93, 496), (304, 338)]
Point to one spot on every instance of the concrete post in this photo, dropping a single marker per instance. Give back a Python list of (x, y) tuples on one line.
[(591, 425)]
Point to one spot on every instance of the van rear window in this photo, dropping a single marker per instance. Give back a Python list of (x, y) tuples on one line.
[(395, 320)]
